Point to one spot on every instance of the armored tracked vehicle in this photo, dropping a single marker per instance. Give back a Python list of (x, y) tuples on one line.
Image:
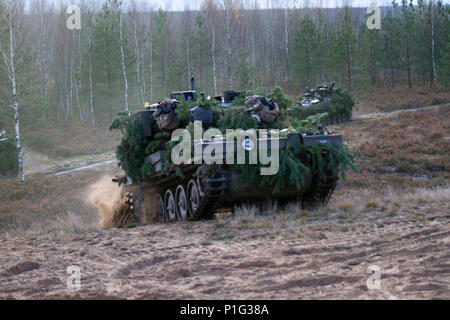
[(325, 98), (309, 164)]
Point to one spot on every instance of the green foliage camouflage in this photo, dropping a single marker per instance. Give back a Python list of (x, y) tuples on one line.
[(280, 98), (236, 118), (240, 99), (310, 123), (134, 147), (183, 108), (276, 95), (294, 161), (340, 104)]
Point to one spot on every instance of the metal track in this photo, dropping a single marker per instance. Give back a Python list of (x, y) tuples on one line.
[(319, 194), (214, 193)]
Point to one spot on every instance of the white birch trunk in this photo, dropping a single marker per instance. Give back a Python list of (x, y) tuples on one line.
[(144, 72), (213, 53), (138, 63), (151, 56), (432, 48), (286, 31), (78, 100), (71, 85), (91, 88), (229, 74), (124, 68), (43, 69), (188, 62), (151, 71), (253, 62), (15, 9)]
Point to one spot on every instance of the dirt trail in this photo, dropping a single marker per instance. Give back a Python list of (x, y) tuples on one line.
[(35, 162), (378, 115)]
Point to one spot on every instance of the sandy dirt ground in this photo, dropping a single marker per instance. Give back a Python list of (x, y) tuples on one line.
[(331, 259), (291, 255)]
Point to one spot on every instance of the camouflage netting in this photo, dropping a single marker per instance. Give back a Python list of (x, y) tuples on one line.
[(259, 112), (325, 98), (132, 149)]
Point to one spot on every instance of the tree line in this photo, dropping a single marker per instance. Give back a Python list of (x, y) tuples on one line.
[(127, 53)]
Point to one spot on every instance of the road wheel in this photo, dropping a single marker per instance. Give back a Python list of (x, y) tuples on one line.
[(162, 216), (193, 197), (170, 206), (181, 203)]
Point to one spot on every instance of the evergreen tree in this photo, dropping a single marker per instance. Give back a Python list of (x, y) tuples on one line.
[(444, 66), (200, 51), (244, 70), (344, 50), (160, 50), (391, 47), (370, 51), (324, 45), (407, 29), (106, 44), (304, 60)]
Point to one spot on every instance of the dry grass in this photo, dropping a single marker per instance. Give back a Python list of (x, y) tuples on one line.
[(73, 139), (386, 99), (413, 144), (48, 204), (389, 201)]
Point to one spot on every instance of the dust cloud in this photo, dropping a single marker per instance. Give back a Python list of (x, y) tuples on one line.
[(105, 195)]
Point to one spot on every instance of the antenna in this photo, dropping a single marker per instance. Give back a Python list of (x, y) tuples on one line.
[(192, 84)]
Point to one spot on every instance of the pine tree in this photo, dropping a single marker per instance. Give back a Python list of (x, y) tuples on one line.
[(344, 50), (305, 54), (444, 66), (244, 70), (407, 29), (160, 50), (200, 52), (391, 47), (106, 43), (370, 51), (324, 45)]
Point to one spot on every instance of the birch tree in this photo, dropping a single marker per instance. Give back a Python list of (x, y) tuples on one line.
[(122, 54), (134, 16), (42, 9), (211, 11), (13, 54)]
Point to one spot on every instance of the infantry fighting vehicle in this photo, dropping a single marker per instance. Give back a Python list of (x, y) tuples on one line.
[(325, 98), (195, 190)]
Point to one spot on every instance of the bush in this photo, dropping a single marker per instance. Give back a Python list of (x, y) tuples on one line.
[(8, 159)]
